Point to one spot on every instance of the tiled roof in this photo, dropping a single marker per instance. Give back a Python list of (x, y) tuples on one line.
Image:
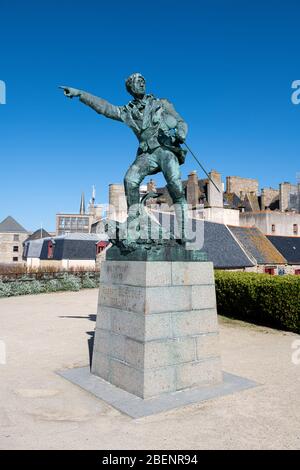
[(251, 202), (33, 248), (11, 225), (220, 245), (38, 234), (257, 245), (289, 247), (222, 248), (233, 201), (83, 236)]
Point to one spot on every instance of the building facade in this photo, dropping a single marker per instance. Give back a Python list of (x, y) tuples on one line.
[(82, 221), (12, 236)]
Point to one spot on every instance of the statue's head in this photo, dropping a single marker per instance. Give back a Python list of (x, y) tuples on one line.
[(136, 85)]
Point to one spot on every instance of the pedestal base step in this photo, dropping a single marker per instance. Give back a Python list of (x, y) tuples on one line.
[(136, 407)]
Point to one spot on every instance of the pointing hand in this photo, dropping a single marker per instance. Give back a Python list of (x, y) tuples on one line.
[(70, 92)]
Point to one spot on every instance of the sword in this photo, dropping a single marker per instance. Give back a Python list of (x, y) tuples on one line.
[(201, 166)]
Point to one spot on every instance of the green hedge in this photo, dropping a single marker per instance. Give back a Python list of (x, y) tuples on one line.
[(260, 298), (67, 282)]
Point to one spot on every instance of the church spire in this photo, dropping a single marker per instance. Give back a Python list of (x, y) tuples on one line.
[(82, 205)]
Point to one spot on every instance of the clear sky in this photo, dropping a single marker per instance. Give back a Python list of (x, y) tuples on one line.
[(227, 65)]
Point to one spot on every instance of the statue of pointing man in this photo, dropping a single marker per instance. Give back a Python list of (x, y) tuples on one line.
[(159, 129)]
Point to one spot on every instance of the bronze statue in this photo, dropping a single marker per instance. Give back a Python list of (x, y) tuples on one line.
[(160, 131)]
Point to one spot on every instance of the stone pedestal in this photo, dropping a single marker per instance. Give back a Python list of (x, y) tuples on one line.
[(157, 329)]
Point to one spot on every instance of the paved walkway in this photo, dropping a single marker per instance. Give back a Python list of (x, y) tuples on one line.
[(40, 410)]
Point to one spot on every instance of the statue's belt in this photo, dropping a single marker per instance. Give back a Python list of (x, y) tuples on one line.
[(177, 150)]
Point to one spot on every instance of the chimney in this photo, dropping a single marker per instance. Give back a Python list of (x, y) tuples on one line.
[(214, 197), (192, 189)]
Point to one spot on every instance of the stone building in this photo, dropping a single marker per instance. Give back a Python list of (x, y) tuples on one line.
[(273, 211), (12, 236), (289, 197), (289, 247), (269, 199), (273, 222), (267, 259)]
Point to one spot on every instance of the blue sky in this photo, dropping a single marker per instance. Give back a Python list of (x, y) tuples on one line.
[(227, 66)]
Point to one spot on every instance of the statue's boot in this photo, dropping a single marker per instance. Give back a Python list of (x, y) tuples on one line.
[(181, 215)]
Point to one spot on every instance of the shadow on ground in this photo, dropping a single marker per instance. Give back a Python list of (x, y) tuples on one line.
[(91, 317)]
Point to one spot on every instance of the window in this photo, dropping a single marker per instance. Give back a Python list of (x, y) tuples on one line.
[(15, 248), (16, 238), (270, 271), (295, 229), (273, 228), (15, 258), (50, 249), (297, 272)]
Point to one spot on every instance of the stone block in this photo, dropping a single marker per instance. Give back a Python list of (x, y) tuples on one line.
[(194, 322), (127, 377), (102, 341), (104, 318), (157, 326), (207, 345), (136, 273), (101, 365), (158, 381), (168, 299), (124, 297), (189, 274), (206, 372), (135, 353), (128, 324), (143, 384), (203, 297), (169, 352)]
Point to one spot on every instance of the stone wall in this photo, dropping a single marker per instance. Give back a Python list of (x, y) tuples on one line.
[(117, 202), (268, 196), (285, 192), (7, 243), (215, 197), (241, 186), (272, 222)]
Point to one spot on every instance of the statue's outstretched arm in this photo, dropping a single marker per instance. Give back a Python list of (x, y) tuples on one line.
[(100, 105)]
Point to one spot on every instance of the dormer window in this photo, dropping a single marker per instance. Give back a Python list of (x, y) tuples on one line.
[(50, 249)]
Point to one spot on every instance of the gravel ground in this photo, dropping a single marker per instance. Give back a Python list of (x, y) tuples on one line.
[(40, 410)]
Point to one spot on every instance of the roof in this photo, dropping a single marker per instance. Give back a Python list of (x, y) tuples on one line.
[(38, 234), (219, 244), (222, 248), (82, 236), (11, 225), (233, 201), (69, 248), (289, 247), (33, 248), (257, 245), (251, 202)]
